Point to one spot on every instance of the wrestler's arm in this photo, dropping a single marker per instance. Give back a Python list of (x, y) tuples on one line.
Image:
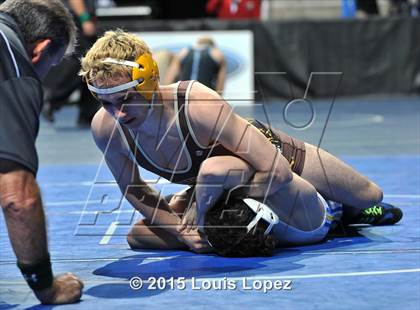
[(269, 170), (222, 125), (141, 196)]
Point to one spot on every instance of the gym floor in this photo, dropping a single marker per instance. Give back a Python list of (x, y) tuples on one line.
[(368, 268)]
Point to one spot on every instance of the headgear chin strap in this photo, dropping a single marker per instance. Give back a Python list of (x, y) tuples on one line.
[(263, 212), (145, 76)]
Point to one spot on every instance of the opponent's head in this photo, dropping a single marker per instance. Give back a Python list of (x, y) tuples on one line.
[(241, 228), (120, 61), (47, 28)]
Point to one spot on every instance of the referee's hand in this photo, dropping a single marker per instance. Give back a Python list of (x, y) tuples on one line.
[(66, 289)]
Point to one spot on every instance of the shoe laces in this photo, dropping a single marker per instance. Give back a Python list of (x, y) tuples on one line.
[(375, 211)]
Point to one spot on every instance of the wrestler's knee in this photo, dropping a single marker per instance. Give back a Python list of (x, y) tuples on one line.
[(19, 192), (375, 192), (214, 171), (134, 237), (132, 242), (370, 194), (209, 170)]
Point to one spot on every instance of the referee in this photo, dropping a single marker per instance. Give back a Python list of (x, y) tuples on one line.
[(34, 36)]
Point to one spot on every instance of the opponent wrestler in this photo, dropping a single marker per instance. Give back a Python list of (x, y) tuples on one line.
[(187, 134)]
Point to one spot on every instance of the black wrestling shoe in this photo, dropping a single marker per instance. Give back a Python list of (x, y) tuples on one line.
[(379, 214)]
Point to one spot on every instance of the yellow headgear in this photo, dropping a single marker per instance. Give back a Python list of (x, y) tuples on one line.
[(145, 76), (149, 72)]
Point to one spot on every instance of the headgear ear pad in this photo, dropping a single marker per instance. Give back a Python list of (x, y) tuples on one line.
[(147, 74)]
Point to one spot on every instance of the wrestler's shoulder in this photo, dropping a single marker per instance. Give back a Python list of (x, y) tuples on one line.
[(102, 117), (200, 91)]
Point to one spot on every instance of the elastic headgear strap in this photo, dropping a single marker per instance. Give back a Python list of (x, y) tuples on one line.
[(112, 90), (145, 75)]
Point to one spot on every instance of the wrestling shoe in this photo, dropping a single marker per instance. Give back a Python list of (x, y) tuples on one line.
[(379, 214)]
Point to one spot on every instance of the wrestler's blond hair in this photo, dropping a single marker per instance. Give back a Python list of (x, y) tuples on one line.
[(114, 44)]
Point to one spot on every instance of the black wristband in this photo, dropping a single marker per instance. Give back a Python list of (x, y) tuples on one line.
[(39, 275)]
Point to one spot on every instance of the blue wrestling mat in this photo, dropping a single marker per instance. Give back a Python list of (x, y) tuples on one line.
[(370, 268)]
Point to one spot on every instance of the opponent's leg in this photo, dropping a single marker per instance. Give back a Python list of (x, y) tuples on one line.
[(297, 204), (337, 181)]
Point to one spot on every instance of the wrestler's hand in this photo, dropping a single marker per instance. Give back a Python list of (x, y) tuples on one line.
[(66, 289), (196, 241), (191, 219)]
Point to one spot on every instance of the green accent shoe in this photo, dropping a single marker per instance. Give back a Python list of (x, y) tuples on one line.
[(379, 214)]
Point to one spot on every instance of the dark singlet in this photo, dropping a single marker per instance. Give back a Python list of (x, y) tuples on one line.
[(292, 149), (199, 65)]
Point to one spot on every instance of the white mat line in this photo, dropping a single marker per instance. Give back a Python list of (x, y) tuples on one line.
[(108, 234), (93, 260), (401, 196), (408, 251), (288, 277)]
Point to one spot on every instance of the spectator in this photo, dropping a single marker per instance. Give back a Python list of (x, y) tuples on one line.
[(203, 62), (235, 9)]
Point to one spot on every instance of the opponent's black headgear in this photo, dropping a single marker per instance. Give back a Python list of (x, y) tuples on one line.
[(241, 227)]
